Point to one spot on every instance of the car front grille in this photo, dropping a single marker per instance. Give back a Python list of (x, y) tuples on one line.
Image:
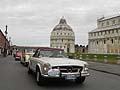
[(68, 69)]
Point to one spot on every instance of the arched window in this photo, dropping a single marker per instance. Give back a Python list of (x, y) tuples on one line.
[(113, 22), (107, 22), (97, 42), (104, 41), (112, 41)]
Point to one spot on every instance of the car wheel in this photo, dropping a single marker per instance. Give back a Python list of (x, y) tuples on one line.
[(20, 62), (26, 64), (80, 80), (39, 78), (29, 70)]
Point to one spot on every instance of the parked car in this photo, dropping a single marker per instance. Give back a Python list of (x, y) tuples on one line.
[(18, 55), (52, 63), (26, 54)]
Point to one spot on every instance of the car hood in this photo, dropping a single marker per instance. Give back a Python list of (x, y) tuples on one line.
[(63, 61)]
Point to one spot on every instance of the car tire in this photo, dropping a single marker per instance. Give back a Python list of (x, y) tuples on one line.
[(20, 62), (80, 80), (26, 64), (39, 78), (29, 70)]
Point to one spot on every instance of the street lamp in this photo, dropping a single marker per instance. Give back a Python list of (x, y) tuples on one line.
[(10, 44)]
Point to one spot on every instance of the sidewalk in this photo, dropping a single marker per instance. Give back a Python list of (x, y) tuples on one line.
[(107, 68)]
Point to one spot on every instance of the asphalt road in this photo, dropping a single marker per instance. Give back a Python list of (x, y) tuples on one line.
[(14, 76)]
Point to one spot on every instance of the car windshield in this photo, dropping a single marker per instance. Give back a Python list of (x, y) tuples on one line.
[(56, 54), (29, 51)]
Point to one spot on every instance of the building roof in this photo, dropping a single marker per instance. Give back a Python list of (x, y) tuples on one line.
[(108, 17), (4, 36), (2, 33), (106, 28), (62, 25)]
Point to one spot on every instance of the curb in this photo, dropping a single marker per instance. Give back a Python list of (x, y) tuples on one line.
[(104, 71), (117, 63)]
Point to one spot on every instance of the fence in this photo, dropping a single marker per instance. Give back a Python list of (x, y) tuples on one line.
[(106, 58)]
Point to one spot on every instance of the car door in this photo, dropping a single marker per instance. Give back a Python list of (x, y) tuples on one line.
[(33, 60), (31, 63)]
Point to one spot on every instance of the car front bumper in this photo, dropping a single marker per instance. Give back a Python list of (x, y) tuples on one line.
[(17, 58), (66, 75)]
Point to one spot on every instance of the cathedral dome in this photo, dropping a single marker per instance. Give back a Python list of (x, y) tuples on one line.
[(62, 25), (63, 37)]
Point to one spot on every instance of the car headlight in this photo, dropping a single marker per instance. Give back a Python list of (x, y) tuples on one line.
[(46, 66), (86, 67)]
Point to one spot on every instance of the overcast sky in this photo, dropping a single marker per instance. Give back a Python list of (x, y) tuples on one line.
[(30, 22)]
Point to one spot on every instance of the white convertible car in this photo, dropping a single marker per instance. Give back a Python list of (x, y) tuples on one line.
[(52, 63)]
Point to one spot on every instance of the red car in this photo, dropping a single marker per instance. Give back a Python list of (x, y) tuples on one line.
[(18, 55)]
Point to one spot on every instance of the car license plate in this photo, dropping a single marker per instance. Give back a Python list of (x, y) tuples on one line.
[(70, 77), (17, 57)]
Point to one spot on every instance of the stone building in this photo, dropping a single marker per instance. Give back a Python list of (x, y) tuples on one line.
[(106, 37), (4, 43), (63, 37), (81, 48)]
